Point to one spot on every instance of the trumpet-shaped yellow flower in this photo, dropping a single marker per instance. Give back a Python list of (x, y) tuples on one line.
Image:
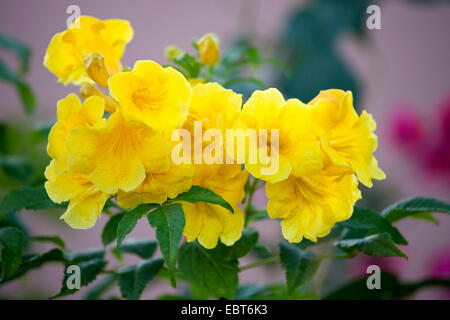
[(347, 138), (217, 108), (157, 187), (209, 222), (311, 205), (208, 49), (67, 51), (117, 156), (152, 95), (86, 200), (71, 113), (298, 151)]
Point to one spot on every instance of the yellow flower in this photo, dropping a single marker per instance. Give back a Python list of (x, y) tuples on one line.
[(86, 200), (208, 48), (217, 108), (157, 187), (209, 222), (71, 113), (67, 51), (152, 95), (298, 152), (311, 205), (347, 138), (117, 156)]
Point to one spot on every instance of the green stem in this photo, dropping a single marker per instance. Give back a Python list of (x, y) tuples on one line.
[(260, 263), (248, 206)]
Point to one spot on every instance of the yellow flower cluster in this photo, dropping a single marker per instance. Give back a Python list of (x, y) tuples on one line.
[(324, 146)]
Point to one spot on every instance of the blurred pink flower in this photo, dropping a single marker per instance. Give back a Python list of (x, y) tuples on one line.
[(429, 147), (440, 268), (405, 127)]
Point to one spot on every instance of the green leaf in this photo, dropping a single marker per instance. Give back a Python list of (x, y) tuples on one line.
[(100, 288), (169, 224), (241, 247), (262, 250), (377, 244), (13, 241), (27, 96), (54, 239), (84, 255), (299, 265), (209, 269), (21, 50), (426, 216), (23, 89), (189, 63), (391, 288), (31, 198), (89, 270), (110, 230), (134, 279), (248, 291), (16, 167), (129, 220), (366, 219), (413, 206), (34, 261), (199, 194), (143, 248), (240, 80)]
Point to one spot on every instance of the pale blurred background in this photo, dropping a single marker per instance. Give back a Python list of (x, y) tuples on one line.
[(403, 78)]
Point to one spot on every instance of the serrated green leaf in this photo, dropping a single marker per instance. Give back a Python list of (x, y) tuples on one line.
[(262, 251), (13, 241), (89, 270), (16, 167), (134, 279), (53, 239), (169, 224), (100, 288), (74, 257), (377, 244), (109, 232), (409, 207), (209, 269), (31, 198), (299, 265), (199, 194), (366, 219), (143, 248), (129, 220), (33, 261)]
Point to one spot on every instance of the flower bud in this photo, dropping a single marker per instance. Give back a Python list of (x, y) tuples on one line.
[(208, 48), (96, 69), (171, 52)]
